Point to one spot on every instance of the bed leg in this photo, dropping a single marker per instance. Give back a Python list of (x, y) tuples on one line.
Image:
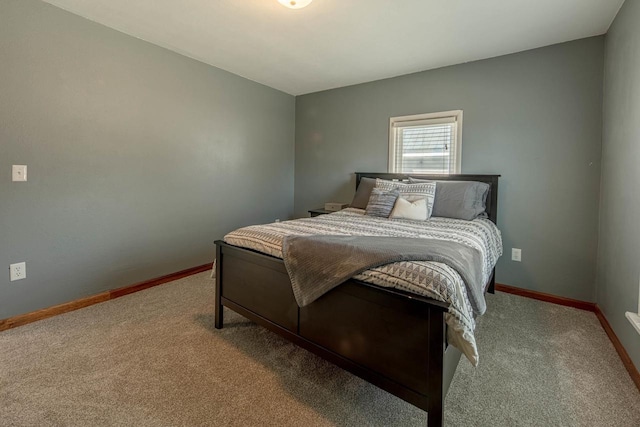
[(219, 316), (492, 285), (435, 417), (218, 309), (435, 411)]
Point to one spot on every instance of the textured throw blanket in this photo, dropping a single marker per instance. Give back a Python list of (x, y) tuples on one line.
[(317, 264)]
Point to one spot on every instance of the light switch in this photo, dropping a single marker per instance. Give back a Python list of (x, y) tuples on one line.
[(19, 173)]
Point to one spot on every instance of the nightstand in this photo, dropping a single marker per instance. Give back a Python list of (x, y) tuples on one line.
[(318, 212)]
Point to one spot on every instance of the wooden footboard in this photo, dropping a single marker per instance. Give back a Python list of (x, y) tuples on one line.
[(392, 339)]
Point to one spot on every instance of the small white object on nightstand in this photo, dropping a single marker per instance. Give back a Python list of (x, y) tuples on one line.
[(335, 207)]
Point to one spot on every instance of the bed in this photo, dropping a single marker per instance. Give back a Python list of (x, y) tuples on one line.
[(394, 339)]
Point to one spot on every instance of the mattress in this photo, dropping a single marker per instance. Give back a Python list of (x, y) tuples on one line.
[(426, 278)]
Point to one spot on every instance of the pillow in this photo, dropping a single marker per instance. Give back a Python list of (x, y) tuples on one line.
[(410, 210), (412, 192), (381, 202), (459, 199), (361, 199)]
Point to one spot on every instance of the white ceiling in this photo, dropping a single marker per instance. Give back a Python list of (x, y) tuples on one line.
[(334, 43)]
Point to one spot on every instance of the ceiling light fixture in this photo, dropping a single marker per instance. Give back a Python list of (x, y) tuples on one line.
[(295, 4)]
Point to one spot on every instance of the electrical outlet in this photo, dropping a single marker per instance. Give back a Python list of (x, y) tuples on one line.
[(516, 254), (18, 271)]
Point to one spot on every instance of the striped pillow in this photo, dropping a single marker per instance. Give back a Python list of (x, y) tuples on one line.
[(381, 202), (411, 192)]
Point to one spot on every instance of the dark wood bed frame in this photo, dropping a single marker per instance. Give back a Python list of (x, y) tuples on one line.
[(392, 339)]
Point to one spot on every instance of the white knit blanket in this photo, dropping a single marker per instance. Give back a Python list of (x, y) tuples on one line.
[(427, 278)]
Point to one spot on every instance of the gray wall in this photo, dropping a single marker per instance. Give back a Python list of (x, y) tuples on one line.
[(534, 117), (138, 158), (619, 246)]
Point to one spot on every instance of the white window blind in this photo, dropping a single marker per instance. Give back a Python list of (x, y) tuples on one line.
[(426, 143)]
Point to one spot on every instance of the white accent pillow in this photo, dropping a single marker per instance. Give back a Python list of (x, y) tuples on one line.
[(416, 209), (411, 192)]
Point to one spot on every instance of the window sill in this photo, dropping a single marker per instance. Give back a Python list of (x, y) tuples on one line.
[(634, 318)]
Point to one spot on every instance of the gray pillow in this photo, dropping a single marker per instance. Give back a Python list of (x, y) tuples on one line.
[(459, 199), (381, 202), (361, 199)]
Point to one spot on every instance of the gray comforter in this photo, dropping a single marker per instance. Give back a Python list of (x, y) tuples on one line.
[(317, 264)]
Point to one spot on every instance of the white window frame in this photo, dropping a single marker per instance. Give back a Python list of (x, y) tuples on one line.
[(429, 117), (634, 318)]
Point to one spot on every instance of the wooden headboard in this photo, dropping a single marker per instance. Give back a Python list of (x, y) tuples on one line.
[(492, 180)]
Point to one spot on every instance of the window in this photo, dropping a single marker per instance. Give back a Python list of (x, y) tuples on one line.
[(634, 318), (426, 143)]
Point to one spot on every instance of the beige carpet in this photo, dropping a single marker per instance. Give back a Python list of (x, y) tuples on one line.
[(154, 359)]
